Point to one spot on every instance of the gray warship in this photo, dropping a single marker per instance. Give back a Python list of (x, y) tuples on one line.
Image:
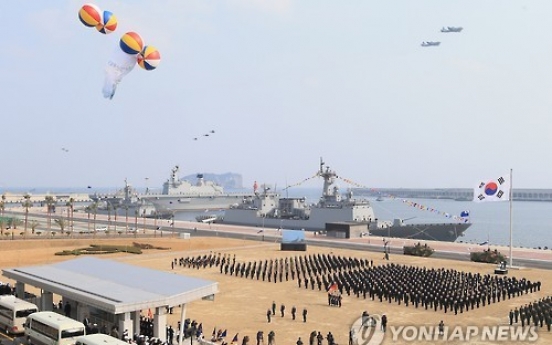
[(181, 195), (266, 209), (127, 201)]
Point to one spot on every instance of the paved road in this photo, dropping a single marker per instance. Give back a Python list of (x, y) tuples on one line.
[(522, 257)]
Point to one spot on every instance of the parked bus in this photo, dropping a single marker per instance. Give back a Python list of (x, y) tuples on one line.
[(49, 328), (13, 313), (99, 339)]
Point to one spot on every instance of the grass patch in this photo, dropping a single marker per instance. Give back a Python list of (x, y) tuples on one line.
[(95, 249)]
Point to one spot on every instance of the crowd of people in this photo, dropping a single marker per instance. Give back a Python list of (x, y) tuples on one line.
[(447, 290), (537, 313), (271, 312), (440, 289), (7, 289)]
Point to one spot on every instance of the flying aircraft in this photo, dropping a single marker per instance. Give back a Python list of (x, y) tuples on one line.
[(452, 29), (430, 44)]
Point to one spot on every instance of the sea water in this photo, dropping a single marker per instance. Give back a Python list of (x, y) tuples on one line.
[(531, 220)]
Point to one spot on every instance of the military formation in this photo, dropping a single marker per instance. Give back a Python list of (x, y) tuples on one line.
[(438, 289), (441, 289), (537, 313)]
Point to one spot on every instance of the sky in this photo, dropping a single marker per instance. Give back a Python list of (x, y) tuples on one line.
[(282, 83)]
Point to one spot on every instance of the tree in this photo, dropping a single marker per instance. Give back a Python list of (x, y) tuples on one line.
[(26, 203), (126, 218), (13, 223), (136, 222), (115, 208), (34, 224), (49, 209), (2, 206), (61, 223), (95, 210), (71, 205), (109, 208)]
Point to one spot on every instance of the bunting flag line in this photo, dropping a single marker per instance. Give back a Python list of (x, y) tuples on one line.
[(460, 218), (300, 183), (463, 217)]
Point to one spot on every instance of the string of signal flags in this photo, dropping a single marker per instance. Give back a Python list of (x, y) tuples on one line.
[(130, 52), (463, 217)]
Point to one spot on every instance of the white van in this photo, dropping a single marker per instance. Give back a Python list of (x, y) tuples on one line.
[(13, 313), (50, 328), (99, 339)]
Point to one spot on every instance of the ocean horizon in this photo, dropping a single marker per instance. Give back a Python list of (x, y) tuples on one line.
[(531, 220)]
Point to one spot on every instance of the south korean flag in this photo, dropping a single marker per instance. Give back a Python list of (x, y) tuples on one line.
[(493, 190)]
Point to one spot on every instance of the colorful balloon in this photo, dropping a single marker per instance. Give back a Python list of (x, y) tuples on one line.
[(89, 15), (131, 43), (108, 23), (149, 58)]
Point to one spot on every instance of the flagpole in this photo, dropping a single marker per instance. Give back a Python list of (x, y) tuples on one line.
[(510, 197)]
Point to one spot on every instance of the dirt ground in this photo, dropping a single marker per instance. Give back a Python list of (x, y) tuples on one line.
[(241, 305)]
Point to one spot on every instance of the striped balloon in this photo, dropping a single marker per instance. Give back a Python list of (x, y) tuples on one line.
[(131, 43), (149, 58), (89, 15), (108, 23)]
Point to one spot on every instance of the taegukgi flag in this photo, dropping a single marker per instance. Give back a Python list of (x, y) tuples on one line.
[(493, 189)]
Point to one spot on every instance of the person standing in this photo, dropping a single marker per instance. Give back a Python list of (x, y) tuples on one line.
[(383, 323), (260, 338), (293, 311), (282, 309), (67, 309), (304, 314), (268, 315), (170, 335), (273, 308), (86, 323), (312, 338), (271, 338), (319, 338)]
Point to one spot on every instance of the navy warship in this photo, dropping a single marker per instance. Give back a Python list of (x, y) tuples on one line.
[(182, 195), (177, 195), (127, 201), (267, 209)]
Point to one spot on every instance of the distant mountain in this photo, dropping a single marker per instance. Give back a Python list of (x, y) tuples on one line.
[(227, 180)]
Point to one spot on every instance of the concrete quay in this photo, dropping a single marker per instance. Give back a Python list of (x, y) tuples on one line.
[(82, 225)]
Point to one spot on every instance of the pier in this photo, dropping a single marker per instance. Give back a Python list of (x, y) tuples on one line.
[(460, 194)]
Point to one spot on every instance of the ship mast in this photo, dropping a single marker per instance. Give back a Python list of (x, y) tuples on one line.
[(329, 178)]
